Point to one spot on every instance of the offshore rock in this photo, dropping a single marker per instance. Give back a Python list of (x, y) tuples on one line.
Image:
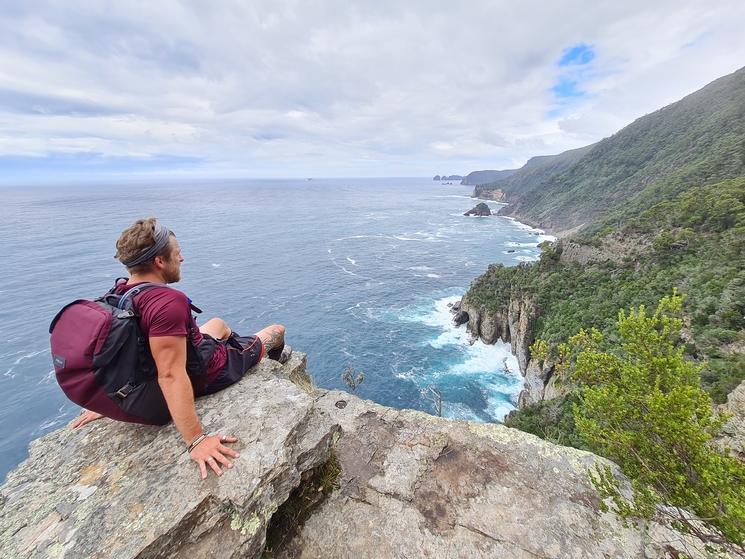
[(480, 210), (411, 485)]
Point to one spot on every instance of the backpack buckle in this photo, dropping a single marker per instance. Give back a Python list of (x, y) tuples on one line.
[(124, 391)]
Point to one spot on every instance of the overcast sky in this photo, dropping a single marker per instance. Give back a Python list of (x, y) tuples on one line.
[(355, 88)]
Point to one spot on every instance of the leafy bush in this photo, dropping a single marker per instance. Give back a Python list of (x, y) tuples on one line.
[(641, 406), (551, 420)]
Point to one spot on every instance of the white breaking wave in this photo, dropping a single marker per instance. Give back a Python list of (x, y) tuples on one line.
[(352, 261), (540, 233), (524, 258), (350, 272), (402, 238), (30, 355), (490, 201), (493, 367), (458, 410)]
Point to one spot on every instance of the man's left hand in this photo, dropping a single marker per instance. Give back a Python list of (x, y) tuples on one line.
[(86, 417), (212, 452)]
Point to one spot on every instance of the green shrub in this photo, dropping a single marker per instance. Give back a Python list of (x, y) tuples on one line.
[(641, 406)]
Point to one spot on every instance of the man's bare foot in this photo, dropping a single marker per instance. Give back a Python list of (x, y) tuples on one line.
[(85, 417)]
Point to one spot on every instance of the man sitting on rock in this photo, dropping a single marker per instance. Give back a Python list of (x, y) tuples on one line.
[(151, 254)]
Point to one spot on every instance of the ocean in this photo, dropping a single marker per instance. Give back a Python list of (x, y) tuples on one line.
[(360, 271)]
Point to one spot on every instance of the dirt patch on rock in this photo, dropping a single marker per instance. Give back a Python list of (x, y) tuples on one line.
[(455, 476)]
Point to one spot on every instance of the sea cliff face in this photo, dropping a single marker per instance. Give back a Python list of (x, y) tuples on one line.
[(495, 194), (514, 324), (383, 483)]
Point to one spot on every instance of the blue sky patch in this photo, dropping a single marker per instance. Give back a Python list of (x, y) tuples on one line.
[(574, 70), (567, 88), (577, 55)]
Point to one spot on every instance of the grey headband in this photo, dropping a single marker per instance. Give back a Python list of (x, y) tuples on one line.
[(161, 235)]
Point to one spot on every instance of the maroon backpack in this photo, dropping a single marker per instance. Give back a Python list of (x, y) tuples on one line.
[(103, 362)]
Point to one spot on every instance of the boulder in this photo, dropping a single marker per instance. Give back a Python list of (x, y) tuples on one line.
[(121, 490), (460, 317), (733, 432), (480, 209), (385, 483)]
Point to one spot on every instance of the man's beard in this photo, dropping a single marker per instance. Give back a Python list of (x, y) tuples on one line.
[(172, 275)]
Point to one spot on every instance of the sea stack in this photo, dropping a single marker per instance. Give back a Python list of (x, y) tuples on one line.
[(481, 209)]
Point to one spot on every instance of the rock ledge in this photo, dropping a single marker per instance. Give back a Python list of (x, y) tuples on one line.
[(411, 485)]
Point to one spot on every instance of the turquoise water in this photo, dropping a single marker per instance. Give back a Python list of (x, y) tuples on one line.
[(359, 270)]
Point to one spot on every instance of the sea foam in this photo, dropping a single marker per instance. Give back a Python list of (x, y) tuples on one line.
[(492, 367)]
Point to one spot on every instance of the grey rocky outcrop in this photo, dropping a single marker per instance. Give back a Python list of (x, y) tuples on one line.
[(571, 252), (496, 194), (481, 210), (513, 324), (120, 490), (410, 485), (733, 432)]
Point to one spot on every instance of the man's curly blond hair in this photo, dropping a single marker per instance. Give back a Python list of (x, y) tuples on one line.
[(134, 239)]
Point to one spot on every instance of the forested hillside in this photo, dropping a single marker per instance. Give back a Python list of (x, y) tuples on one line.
[(695, 141), (663, 203), (657, 215)]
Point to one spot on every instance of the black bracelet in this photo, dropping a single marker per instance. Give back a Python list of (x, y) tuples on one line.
[(195, 442)]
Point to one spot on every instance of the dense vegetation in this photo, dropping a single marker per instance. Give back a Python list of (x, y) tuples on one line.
[(695, 243), (698, 140), (640, 405), (663, 207)]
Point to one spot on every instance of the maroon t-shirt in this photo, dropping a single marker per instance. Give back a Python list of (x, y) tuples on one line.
[(165, 311)]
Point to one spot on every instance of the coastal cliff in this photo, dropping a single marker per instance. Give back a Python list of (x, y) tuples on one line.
[(510, 314), (320, 474), (484, 177), (513, 323)]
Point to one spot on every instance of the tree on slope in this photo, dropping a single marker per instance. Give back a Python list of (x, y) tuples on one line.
[(641, 405)]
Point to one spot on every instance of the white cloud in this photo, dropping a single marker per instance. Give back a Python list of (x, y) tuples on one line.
[(335, 88)]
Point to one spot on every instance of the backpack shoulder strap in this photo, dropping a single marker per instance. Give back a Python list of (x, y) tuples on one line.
[(130, 293), (117, 282)]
